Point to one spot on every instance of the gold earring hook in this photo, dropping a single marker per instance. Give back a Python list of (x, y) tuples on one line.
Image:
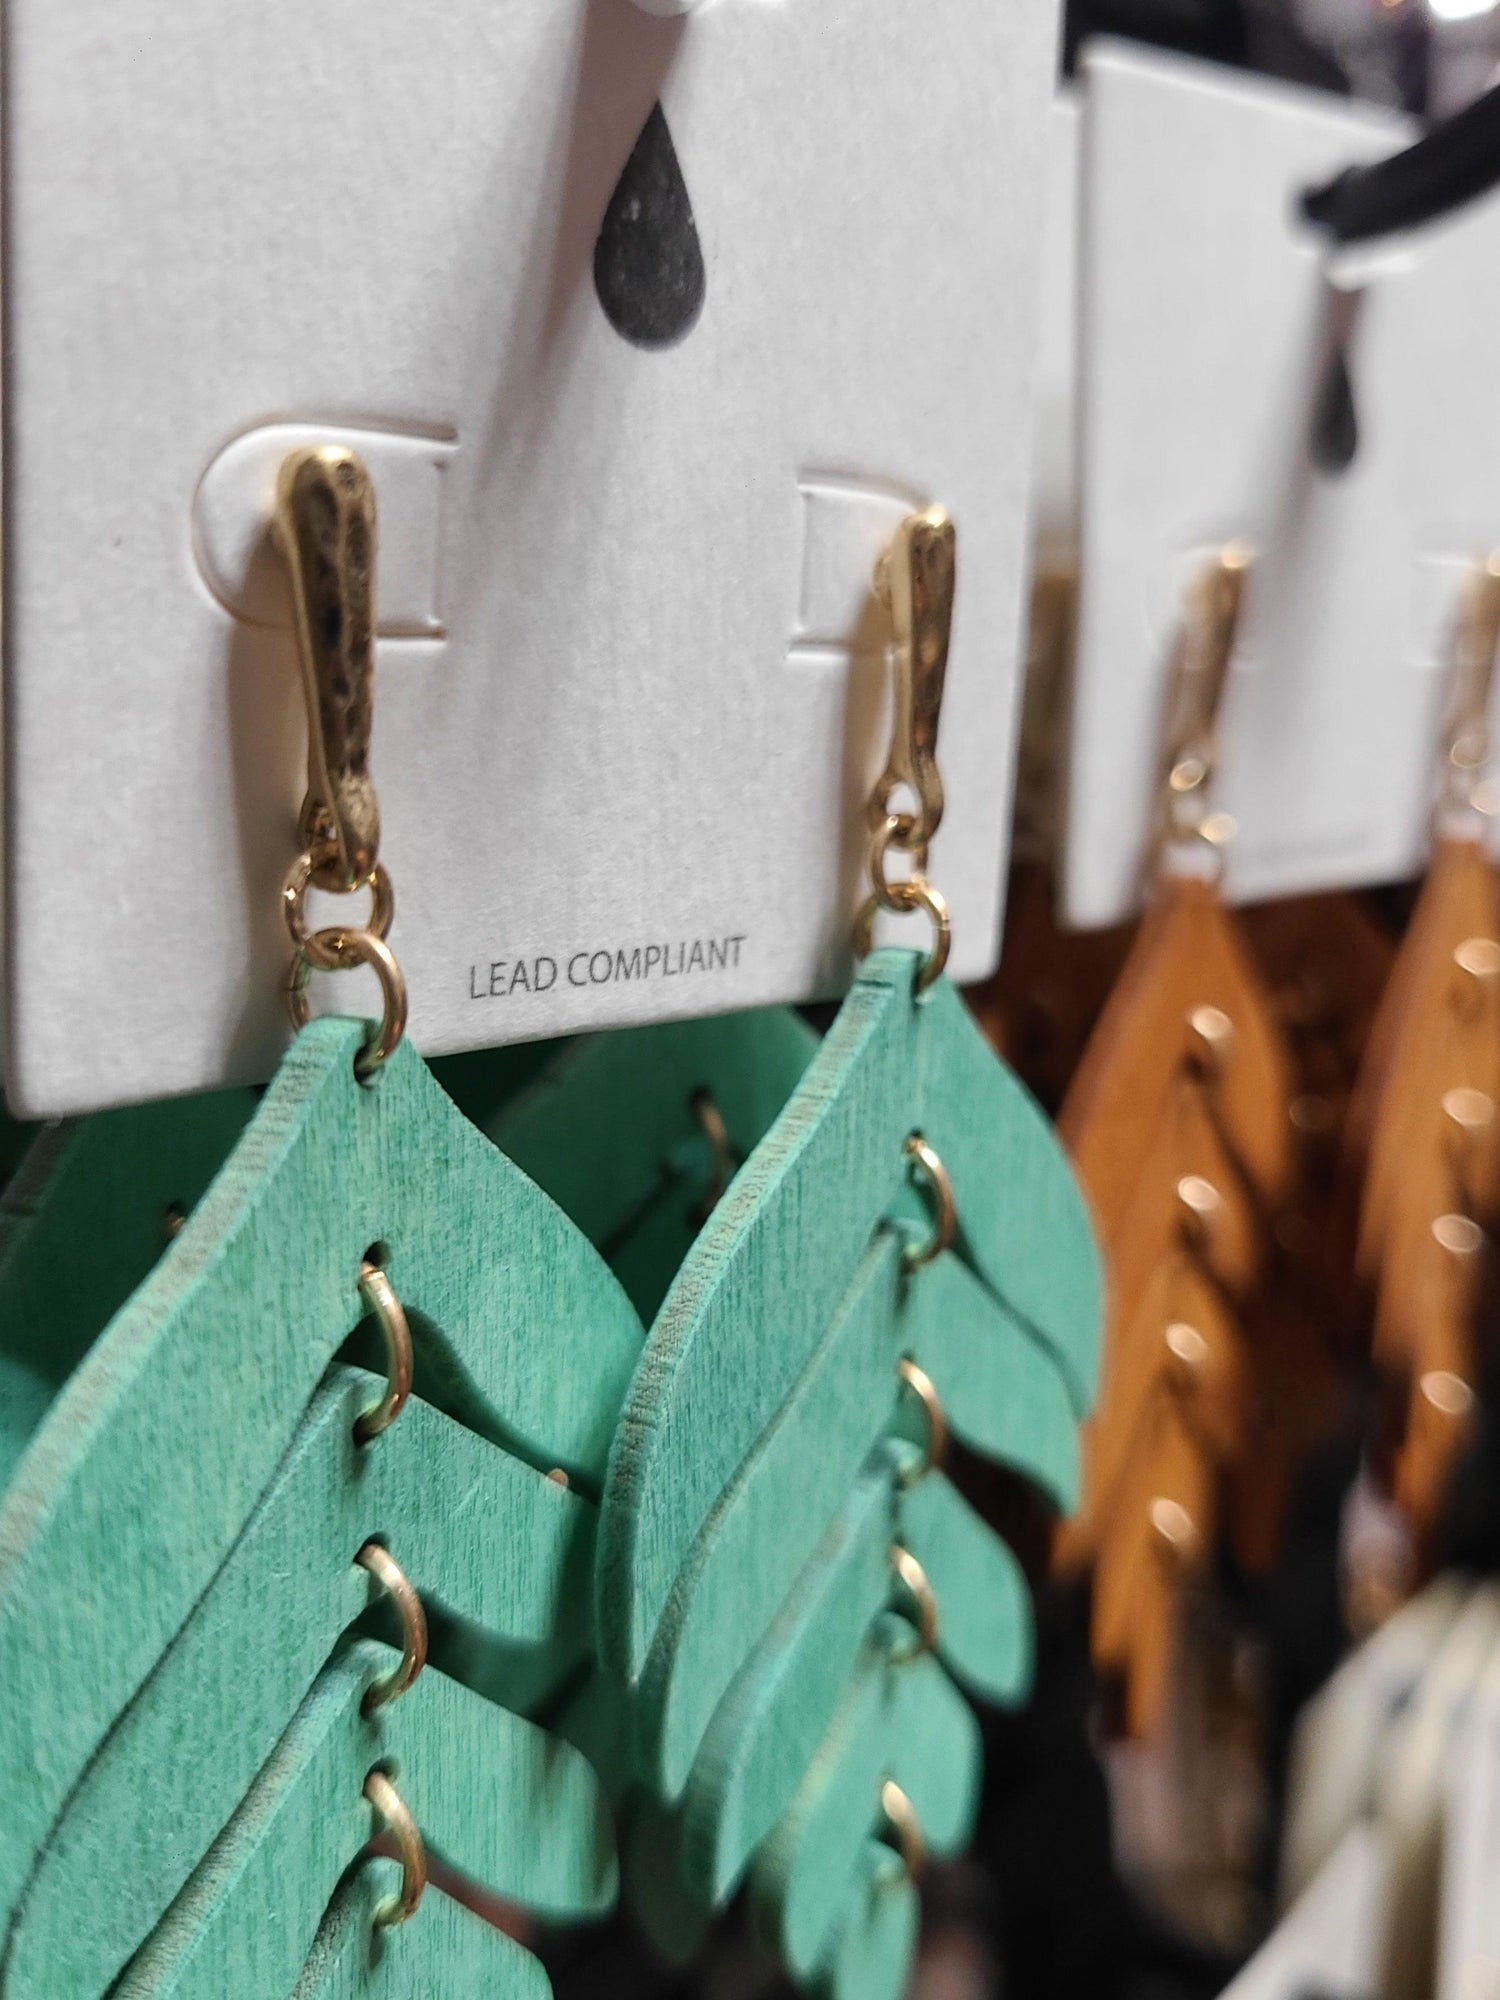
[(1211, 625), (916, 580), (410, 1846), (325, 523), (1467, 719)]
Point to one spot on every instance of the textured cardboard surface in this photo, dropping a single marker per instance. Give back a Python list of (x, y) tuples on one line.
[(629, 692)]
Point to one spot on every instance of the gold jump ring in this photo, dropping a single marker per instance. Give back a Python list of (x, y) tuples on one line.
[(379, 1297), (299, 878), (388, 1803), (901, 831), (945, 1222), (901, 1817), (720, 1148), (912, 1577), (923, 1388), (347, 949), (915, 893), (393, 1580)]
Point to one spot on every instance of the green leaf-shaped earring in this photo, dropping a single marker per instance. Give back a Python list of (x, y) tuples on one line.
[(905, 1252), (199, 1516)]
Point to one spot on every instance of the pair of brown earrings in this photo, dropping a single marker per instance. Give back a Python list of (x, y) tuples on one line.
[(1258, 1105)]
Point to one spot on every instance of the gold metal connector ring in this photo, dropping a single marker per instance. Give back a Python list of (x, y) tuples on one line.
[(349, 948), (945, 1220), (379, 1297), (379, 1563), (900, 1816), (308, 943), (905, 897), (411, 1847), (902, 831), (710, 1120), (923, 1388), (910, 1574)]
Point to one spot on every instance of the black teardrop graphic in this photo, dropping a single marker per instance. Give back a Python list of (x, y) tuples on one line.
[(1335, 423), (648, 266)]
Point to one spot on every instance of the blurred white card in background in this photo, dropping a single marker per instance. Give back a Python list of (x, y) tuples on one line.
[(1325, 1945), (1207, 327), (629, 694), (1055, 473)]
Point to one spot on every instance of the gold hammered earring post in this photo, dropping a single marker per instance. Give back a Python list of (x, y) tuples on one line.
[(915, 581), (326, 529)]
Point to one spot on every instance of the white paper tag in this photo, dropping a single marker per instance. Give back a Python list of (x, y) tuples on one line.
[(629, 694), (1208, 319), (1054, 502), (1326, 1943), (1341, 1733), (1468, 1929)]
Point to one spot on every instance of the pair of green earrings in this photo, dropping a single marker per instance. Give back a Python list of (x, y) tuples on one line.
[(375, 1505)]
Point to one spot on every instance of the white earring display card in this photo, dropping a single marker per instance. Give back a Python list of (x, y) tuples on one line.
[(1054, 499), (651, 326), (1327, 1942), (1338, 412)]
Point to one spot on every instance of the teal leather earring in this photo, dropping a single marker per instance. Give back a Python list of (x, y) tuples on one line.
[(906, 1250), (172, 1320), (741, 1529), (187, 1534)]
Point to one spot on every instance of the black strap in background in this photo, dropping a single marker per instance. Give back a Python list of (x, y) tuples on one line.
[(1456, 162)]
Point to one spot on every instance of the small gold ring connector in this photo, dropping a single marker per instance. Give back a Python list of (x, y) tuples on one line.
[(1177, 1536), (900, 1816), (901, 831), (720, 1149), (1200, 1206), (910, 1574), (411, 1847), (913, 893), (945, 1222), (1459, 1235), (1478, 958), (346, 949), (379, 1563), (376, 1291), (1212, 1041), (1449, 1394), (310, 944), (923, 1388)]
